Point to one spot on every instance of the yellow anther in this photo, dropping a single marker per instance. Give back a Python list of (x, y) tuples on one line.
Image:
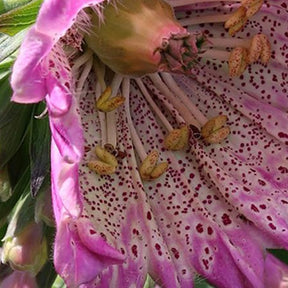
[(107, 104), (238, 61), (237, 21), (266, 49), (252, 6), (106, 156), (149, 169), (101, 168), (215, 131), (260, 48), (106, 164), (177, 139)]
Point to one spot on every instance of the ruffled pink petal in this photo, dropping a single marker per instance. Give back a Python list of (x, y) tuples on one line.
[(73, 260), (65, 125), (65, 185), (54, 19), (27, 80), (276, 273)]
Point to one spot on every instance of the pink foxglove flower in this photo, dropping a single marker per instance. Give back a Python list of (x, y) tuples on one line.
[(217, 197)]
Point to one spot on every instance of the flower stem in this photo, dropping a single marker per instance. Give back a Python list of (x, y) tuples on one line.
[(135, 138)]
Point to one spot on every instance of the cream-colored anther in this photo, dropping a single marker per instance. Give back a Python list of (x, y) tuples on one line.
[(149, 169), (215, 131), (237, 20), (101, 168), (252, 6), (177, 139), (238, 61), (106, 156), (106, 163), (106, 103), (260, 48)]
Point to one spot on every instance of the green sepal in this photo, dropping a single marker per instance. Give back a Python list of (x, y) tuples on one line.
[(14, 121), (19, 18), (39, 150), (58, 283)]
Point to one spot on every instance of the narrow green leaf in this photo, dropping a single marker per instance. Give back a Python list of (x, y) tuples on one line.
[(14, 120), (39, 150), (8, 44), (20, 18), (7, 5)]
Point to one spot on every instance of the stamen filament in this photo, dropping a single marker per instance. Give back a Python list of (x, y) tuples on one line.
[(179, 3), (180, 107), (135, 138), (228, 42), (216, 54), (84, 74), (111, 117), (173, 86), (88, 54), (153, 105), (205, 19)]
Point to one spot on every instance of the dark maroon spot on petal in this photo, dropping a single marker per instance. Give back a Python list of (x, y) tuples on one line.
[(272, 226), (261, 182), (92, 232), (134, 250), (175, 253), (283, 170), (254, 208), (209, 230), (199, 228), (262, 206), (205, 262), (149, 216), (226, 219), (283, 135)]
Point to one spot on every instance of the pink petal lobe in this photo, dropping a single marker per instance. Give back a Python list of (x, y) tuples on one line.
[(27, 81), (73, 260), (65, 186)]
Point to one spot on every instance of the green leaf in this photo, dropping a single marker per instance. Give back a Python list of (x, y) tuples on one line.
[(8, 44), (200, 282), (39, 150), (46, 277), (21, 187), (7, 5), (14, 121), (58, 283), (20, 18), (281, 254)]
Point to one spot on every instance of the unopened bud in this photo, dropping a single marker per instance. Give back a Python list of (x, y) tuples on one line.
[(149, 169), (26, 251), (237, 21), (215, 131), (177, 139), (238, 61)]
